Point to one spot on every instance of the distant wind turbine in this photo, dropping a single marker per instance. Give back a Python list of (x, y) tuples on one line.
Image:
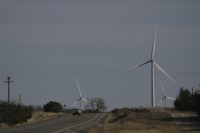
[(153, 65), (81, 98), (165, 97)]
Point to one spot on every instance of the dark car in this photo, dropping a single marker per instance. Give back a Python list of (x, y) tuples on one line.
[(76, 112)]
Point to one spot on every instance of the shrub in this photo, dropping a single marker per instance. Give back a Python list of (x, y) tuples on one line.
[(12, 114), (119, 114), (143, 110), (52, 107)]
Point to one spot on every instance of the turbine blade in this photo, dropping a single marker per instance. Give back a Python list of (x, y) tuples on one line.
[(162, 87), (79, 90), (134, 67), (74, 103), (85, 100), (171, 98), (154, 45), (165, 73), (160, 102), (139, 65)]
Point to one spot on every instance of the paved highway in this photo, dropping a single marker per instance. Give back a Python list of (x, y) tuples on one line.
[(64, 124)]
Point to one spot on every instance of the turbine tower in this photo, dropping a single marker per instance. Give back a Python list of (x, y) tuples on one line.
[(80, 99), (153, 65), (165, 97)]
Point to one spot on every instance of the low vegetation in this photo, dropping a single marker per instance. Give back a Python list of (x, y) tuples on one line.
[(11, 113), (119, 114)]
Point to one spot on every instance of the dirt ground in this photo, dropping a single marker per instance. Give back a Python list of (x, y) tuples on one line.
[(152, 121)]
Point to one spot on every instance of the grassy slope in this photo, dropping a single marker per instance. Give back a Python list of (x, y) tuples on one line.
[(42, 116), (37, 116), (151, 121)]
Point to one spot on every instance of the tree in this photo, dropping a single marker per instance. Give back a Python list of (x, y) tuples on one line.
[(52, 107), (186, 101), (100, 105), (183, 101), (196, 102), (96, 105), (90, 106)]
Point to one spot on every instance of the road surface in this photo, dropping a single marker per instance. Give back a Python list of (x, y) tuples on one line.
[(64, 124)]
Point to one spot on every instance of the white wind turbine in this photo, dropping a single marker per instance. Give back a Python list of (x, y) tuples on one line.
[(80, 99), (165, 97), (153, 65)]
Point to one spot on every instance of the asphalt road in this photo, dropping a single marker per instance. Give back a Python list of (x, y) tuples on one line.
[(64, 124)]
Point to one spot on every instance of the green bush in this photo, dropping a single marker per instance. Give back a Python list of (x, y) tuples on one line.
[(52, 107), (12, 114)]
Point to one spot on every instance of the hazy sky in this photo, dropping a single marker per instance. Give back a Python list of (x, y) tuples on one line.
[(46, 45)]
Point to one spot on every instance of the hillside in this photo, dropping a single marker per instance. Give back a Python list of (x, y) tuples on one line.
[(141, 121)]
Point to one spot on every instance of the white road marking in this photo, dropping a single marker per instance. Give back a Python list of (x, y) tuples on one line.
[(77, 125)]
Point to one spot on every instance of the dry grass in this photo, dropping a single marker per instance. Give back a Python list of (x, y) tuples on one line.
[(42, 116), (3, 125), (38, 116), (152, 121)]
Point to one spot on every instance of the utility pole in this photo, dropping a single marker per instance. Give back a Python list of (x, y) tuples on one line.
[(20, 99), (8, 81), (192, 91)]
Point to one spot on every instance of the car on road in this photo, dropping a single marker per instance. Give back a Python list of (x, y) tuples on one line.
[(76, 112)]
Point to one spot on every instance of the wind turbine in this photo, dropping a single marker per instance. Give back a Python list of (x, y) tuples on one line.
[(153, 65), (80, 99), (165, 97)]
